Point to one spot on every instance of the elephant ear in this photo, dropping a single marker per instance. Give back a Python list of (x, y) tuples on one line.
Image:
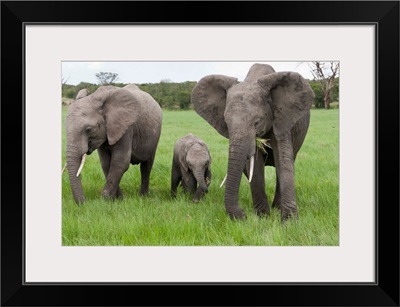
[(291, 96), (120, 108), (183, 151), (209, 100)]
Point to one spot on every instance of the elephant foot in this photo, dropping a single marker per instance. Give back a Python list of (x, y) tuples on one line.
[(289, 211), (143, 193), (235, 213), (119, 194), (144, 190), (107, 194), (276, 204), (197, 198), (199, 195), (262, 210)]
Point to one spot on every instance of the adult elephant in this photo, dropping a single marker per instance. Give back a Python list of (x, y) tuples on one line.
[(124, 125), (269, 105)]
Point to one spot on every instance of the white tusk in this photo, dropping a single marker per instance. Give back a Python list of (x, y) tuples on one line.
[(63, 170), (81, 166), (251, 168), (223, 181)]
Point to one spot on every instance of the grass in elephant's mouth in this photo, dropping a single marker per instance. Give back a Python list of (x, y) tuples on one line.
[(262, 143), (159, 220)]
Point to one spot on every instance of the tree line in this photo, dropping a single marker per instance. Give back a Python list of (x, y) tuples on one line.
[(170, 95), (175, 96)]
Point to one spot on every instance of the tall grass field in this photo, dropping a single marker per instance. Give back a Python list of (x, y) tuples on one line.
[(159, 220)]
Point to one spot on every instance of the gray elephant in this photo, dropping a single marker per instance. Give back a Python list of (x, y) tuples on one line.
[(191, 166), (274, 106), (124, 125)]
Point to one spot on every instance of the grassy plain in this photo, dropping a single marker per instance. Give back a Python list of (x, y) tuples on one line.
[(158, 220)]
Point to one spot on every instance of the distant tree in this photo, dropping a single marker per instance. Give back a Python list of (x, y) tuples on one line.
[(319, 95), (63, 80), (168, 94), (183, 98), (325, 73), (68, 91), (106, 78)]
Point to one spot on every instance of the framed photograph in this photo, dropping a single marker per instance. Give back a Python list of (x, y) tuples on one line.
[(64, 242)]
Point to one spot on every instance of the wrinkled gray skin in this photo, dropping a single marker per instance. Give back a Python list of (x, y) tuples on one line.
[(267, 104), (191, 165), (124, 125)]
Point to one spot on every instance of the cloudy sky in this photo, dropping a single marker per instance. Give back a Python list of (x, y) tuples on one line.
[(153, 72)]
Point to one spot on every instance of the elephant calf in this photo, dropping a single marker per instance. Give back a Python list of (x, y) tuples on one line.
[(191, 166)]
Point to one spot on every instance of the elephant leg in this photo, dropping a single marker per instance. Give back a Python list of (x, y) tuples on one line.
[(208, 177), (198, 195), (176, 178), (189, 183), (277, 198), (257, 185), (284, 163), (298, 135), (184, 187), (119, 164), (145, 170), (192, 185), (105, 159)]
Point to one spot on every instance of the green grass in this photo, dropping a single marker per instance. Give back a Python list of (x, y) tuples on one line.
[(158, 220)]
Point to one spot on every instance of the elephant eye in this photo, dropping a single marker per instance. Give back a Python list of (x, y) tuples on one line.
[(88, 130)]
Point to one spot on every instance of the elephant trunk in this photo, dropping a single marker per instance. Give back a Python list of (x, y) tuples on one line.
[(74, 159), (239, 153), (202, 186)]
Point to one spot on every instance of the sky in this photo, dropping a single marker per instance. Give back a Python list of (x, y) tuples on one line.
[(153, 72)]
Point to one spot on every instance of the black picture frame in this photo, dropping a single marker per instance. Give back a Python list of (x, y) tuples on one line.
[(384, 15)]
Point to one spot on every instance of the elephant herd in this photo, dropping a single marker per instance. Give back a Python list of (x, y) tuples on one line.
[(124, 125)]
